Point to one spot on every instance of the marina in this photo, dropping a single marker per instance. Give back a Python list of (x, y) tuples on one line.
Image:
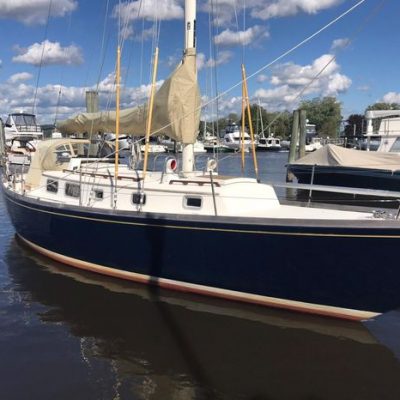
[(189, 233), (116, 339)]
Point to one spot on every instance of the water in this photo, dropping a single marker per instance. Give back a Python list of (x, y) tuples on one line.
[(68, 334)]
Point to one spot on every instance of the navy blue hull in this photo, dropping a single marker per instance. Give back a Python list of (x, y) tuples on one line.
[(331, 265), (365, 178)]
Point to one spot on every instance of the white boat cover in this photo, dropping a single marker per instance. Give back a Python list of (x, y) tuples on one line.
[(331, 155), (176, 111), (45, 158)]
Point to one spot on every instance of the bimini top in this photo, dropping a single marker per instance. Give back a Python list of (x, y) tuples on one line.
[(47, 157), (331, 155)]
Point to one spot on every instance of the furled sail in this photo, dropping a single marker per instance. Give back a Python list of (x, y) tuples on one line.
[(176, 110)]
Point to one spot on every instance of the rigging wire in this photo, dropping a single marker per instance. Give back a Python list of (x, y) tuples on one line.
[(215, 53), (355, 33), (291, 50), (42, 56), (62, 75)]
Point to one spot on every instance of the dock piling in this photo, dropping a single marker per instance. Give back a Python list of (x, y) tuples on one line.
[(293, 143)]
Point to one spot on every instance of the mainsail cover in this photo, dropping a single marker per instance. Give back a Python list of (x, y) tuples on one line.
[(176, 111)]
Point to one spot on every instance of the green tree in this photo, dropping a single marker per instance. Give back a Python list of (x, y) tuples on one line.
[(325, 113), (281, 123), (354, 125), (383, 106)]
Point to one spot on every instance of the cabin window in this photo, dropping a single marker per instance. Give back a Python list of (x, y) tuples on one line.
[(396, 146), (139, 198), (193, 202), (52, 186), (98, 194), (72, 190)]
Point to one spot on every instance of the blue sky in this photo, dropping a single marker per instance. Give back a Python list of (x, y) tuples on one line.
[(365, 43)]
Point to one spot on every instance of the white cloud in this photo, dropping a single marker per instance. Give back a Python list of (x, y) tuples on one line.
[(261, 78), (20, 77), (266, 9), (249, 36), (149, 9), (339, 44), (391, 97), (289, 79), (18, 95), (33, 12), (223, 57), (53, 53), (364, 88), (226, 11)]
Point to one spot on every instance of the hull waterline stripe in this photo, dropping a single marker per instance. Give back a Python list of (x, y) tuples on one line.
[(195, 228), (292, 305)]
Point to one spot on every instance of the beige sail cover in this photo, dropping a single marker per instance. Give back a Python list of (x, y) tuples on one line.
[(176, 111), (331, 155)]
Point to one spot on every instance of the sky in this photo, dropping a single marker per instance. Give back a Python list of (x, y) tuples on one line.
[(53, 51)]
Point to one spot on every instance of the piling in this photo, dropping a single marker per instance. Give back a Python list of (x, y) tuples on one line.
[(293, 143), (2, 144), (92, 101), (92, 106), (303, 133)]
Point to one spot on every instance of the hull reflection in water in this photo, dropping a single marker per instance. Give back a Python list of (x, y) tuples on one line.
[(163, 345)]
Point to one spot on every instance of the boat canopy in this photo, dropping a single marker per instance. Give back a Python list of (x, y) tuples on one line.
[(49, 156), (331, 155), (176, 111)]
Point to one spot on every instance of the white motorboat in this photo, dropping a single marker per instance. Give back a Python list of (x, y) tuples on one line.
[(269, 143), (22, 135), (233, 140)]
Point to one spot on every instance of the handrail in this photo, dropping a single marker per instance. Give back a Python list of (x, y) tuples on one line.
[(93, 175), (200, 183)]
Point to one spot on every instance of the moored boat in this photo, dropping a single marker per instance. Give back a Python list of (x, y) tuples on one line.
[(269, 143), (234, 139), (148, 226), (22, 135)]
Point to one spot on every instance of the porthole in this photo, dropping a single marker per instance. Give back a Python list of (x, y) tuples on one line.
[(72, 190), (193, 202), (139, 198), (52, 186)]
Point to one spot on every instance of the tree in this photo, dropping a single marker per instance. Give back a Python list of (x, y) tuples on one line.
[(383, 106), (354, 125), (325, 114), (282, 123)]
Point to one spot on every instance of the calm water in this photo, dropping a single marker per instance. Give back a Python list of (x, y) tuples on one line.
[(66, 334)]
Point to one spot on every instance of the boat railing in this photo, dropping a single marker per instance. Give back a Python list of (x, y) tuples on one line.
[(29, 128), (195, 182), (100, 175)]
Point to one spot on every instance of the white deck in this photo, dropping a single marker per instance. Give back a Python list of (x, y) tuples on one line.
[(171, 193)]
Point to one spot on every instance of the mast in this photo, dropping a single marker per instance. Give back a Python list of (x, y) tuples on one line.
[(190, 44)]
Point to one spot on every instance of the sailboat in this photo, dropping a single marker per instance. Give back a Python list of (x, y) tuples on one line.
[(176, 228)]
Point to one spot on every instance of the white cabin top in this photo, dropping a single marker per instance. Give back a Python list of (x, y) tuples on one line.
[(19, 125)]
